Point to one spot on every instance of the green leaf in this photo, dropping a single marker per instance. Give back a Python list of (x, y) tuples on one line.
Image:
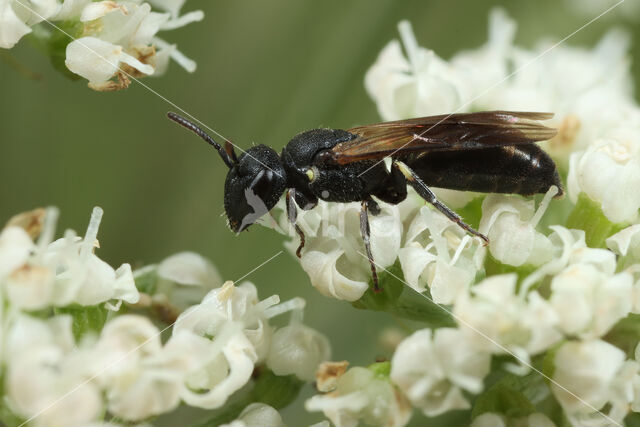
[(275, 391), (626, 334), (632, 420), (587, 215), (399, 299), (549, 360), (85, 318), (503, 399), (512, 395), (146, 279), (447, 419), (471, 213), (7, 417)]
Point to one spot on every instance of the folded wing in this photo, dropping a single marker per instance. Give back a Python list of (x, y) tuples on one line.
[(443, 133)]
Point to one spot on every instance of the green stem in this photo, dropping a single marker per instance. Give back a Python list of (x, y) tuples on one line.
[(587, 215)]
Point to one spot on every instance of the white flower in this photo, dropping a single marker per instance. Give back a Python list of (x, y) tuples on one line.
[(334, 256), (609, 173), (229, 304), (484, 67), (120, 40), (143, 378), (236, 322), (31, 287), (185, 278), (97, 60), (490, 419), (173, 7), (626, 242), (70, 10), (17, 18), (43, 367), (510, 224), (589, 302), (498, 319), (81, 276), (62, 272), (612, 9), (257, 415), (587, 372), (298, 349), (573, 83), (421, 85), (361, 396), (571, 249), (15, 248), (432, 369), (229, 367), (439, 253)]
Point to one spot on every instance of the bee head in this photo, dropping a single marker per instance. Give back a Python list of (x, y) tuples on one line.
[(255, 181), (253, 186)]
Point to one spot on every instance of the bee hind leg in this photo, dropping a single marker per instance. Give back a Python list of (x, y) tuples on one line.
[(421, 188)]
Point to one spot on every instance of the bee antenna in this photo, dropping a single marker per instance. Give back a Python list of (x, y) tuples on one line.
[(228, 158)]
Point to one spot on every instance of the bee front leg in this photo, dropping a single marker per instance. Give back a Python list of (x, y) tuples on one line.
[(421, 188), (292, 214), (366, 236)]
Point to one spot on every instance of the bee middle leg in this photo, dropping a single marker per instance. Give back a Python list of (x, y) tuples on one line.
[(421, 188), (366, 236), (292, 214)]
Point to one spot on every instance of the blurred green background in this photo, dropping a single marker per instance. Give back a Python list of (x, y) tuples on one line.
[(266, 71)]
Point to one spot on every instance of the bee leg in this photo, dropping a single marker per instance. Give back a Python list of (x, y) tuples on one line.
[(414, 180), (394, 190), (366, 236), (292, 214), (373, 207)]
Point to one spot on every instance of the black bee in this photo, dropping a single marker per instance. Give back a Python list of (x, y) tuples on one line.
[(491, 152)]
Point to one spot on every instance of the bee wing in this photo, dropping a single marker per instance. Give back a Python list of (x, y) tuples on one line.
[(445, 132)]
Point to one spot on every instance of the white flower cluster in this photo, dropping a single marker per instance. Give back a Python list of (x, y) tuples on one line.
[(117, 38), (431, 249), (359, 395), (333, 255), (123, 368), (47, 273), (257, 415), (601, 146), (566, 296)]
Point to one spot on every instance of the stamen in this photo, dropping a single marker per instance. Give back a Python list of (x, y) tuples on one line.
[(92, 232), (544, 204), (49, 228), (295, 304)]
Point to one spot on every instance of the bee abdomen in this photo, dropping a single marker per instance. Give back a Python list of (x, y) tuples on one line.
[(524, 170)]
